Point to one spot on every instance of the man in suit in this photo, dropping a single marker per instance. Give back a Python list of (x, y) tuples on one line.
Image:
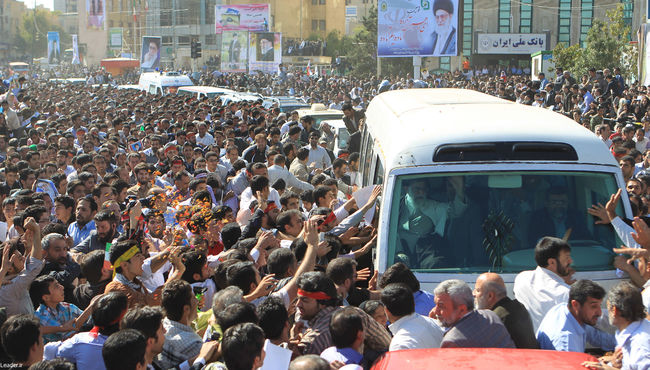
[(490, 294), (467, 327), (234, 50), (443, 39), (299, 166), (558, 220), (352, 117)]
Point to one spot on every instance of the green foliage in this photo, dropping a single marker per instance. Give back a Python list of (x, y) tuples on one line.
[(337, 44), (32, 33), (606, 46), (566, 57)]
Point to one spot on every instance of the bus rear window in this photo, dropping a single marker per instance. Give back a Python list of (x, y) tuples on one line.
[(491, 221)]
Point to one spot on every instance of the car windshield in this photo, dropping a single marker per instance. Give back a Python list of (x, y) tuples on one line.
[(318, 118), (491, 221)]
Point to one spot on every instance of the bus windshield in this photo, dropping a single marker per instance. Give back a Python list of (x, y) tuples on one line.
[(491, 221)]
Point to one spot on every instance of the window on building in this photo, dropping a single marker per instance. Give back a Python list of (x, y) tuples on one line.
[(564, 22), (321, 2), (468, 20), (628, 12), (445, 63), (314, 2), (526, 16), (504, 16), (183, 40), (166, 13), (209, 11), (321, 25), (167, 40), (586, 15), (211, 39), (314, 25)]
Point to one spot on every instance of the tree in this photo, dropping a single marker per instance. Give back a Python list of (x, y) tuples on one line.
[(606, 46), (338, 45), (33, 29)]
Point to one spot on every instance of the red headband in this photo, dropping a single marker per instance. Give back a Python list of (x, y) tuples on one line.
[(319, 296), (271, 206), (330, 218)]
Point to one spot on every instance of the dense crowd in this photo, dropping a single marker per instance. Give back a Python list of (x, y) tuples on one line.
[(146, 231)]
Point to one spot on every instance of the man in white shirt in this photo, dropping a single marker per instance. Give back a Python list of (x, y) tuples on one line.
[(545, 287), (626, 312), (410, 329), (317, 155), (204, 138)]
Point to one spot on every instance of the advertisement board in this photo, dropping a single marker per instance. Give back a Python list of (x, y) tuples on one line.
[(417, 28), (75, 50), (115, 38), (150, 57), (511, 43), (264, 51), (95, 14), (53, 48), (250, 17), (234, 51)]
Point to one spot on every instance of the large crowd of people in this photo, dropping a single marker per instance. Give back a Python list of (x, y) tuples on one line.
[(170, 232)]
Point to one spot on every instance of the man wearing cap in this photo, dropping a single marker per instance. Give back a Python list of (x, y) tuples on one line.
[(318, 157), (443, 39)]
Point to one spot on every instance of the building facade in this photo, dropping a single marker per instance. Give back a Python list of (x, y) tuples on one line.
[(11, 14), (556, 21)]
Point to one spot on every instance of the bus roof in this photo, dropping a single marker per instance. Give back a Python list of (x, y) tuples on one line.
[(410, 124)]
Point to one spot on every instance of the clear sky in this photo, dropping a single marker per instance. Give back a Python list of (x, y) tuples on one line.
[(30, 3)]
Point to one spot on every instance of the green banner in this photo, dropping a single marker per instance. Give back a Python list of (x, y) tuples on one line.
[(115, 38)]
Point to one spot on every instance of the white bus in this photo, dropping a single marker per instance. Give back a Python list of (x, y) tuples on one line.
[(471, 182)]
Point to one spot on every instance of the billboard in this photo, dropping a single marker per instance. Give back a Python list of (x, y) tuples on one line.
[(251, 17), (53, 48), (75, 50), (115, 38), (150, 57), (511, 43), (264, 51), (417, 28), (95, 13), (234, 51)]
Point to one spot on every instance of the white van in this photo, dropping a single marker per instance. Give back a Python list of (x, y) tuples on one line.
[(471, 182), (201, 91), (163, 83)]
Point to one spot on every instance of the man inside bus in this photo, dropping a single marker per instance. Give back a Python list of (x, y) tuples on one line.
[(425, 223), (558, 219)]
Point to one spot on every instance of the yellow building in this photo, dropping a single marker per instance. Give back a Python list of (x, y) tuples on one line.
[(120, 15), (11, 14), (300, 19)]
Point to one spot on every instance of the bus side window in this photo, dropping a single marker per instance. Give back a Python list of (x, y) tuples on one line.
[(366, 158), (378, 179)]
